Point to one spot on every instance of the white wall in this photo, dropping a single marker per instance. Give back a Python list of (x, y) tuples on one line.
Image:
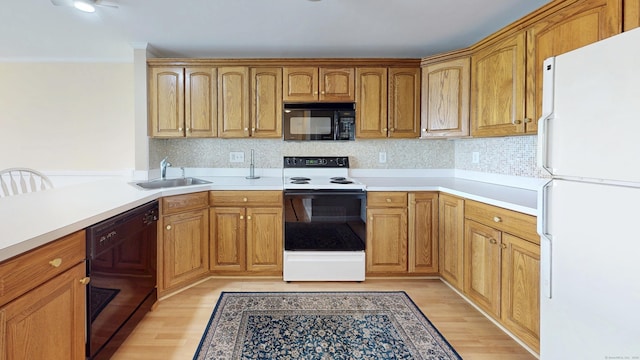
[(67, 116)]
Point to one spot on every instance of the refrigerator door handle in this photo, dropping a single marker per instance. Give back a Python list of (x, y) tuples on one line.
[(548, 111), (545, 243), (543, 157)]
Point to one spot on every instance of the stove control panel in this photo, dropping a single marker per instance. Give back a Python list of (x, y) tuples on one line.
[(316, 161)]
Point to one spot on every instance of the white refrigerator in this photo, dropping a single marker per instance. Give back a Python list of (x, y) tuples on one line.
[(589, 218)]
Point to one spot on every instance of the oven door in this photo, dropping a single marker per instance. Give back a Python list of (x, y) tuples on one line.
[(325, 220)]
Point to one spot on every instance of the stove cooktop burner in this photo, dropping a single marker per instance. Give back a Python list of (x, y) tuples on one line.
[(341, 181), (299, 182), (300, 178), (339, 178)]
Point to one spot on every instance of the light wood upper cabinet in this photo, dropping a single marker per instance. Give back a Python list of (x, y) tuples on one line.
[(445, 98), (184, 242), (166, 102), (631, 13), (318, 84), (450, 238), (498, 88), (182, 102), (404, 103), (266, 102), (200, 105), (371, 103), (423, 233), (233, 101), (569, 28)]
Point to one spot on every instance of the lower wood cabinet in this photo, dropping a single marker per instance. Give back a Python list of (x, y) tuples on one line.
[(183, 252), (502, 268), (42, 302), (450, 237), (246, 232), (402, 233)]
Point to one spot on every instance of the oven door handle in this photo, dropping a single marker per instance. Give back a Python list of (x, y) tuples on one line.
[(322, 192)]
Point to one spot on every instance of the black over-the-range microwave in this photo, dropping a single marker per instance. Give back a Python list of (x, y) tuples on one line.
[(319, 121)]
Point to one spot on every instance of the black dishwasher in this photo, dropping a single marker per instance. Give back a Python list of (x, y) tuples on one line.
[(121, 262)]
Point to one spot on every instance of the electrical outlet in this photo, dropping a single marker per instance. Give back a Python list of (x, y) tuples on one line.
[(236, 156), (475, 157), (382, 157)]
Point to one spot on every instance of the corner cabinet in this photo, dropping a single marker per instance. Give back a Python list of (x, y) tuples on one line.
[(445, 98), (183, 255), (451, 237), (387, 102), (246, 232), (303, 84), (423, 233), (182, 102), (43, 302), (502, 268)]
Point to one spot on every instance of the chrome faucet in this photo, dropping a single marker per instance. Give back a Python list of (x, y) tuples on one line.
[(164, 164)]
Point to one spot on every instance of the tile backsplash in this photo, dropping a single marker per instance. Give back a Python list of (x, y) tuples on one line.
[(508, 155)]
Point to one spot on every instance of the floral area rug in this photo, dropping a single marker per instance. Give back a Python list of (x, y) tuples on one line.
[(320, 325)]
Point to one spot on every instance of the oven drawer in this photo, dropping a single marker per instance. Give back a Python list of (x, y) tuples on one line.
[(387, 199), (245, 198), (26, 271)]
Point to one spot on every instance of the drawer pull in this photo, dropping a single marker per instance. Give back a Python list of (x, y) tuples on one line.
[(55, 262), (493, 241), (168, 227), (497, 219), (85, 280), (245, 199), (388, 200)]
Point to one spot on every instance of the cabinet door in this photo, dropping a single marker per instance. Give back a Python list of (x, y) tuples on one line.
[(482, 266), (233, 102), (498, 88), (166, 102), (423, 232), (47, 322), (445, 98), (185, 247), (266, 102), (228, 246), (450, 238), (300, 84), (386, 248), (521, 289), (404, 102), (371, 103), (337, 84), (264, 239), (201, 112), (574, 26)]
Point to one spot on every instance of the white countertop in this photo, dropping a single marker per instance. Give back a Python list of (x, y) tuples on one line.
[(31, 220)]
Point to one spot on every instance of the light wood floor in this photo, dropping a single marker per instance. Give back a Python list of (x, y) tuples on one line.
[(173, 330)]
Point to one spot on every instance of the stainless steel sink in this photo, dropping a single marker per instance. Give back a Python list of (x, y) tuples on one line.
[(169, 183)]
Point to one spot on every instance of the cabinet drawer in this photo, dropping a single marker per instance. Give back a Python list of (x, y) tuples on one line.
[(25, 272), (245, 198), (178, 203), (509, 221), (387, 199)]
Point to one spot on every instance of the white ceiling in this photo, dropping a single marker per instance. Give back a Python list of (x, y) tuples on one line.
[(35, 30)]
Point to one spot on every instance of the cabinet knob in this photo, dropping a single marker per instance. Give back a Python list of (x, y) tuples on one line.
[(393, 129), (493, 241), (179, 129), (245, 199), (527, 120), (388, 200), (424, 130), (315, 93), (85, 280), (246, 129), (55, 262), (517, 122), (385, 129), (241, 217), (188, 129), (253, 129), (322, 92), (248, 217), (168, 227), (503, 246), (371, 218), (497, 219)]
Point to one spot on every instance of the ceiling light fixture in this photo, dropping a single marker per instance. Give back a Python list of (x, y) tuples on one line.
[(83, 5)]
